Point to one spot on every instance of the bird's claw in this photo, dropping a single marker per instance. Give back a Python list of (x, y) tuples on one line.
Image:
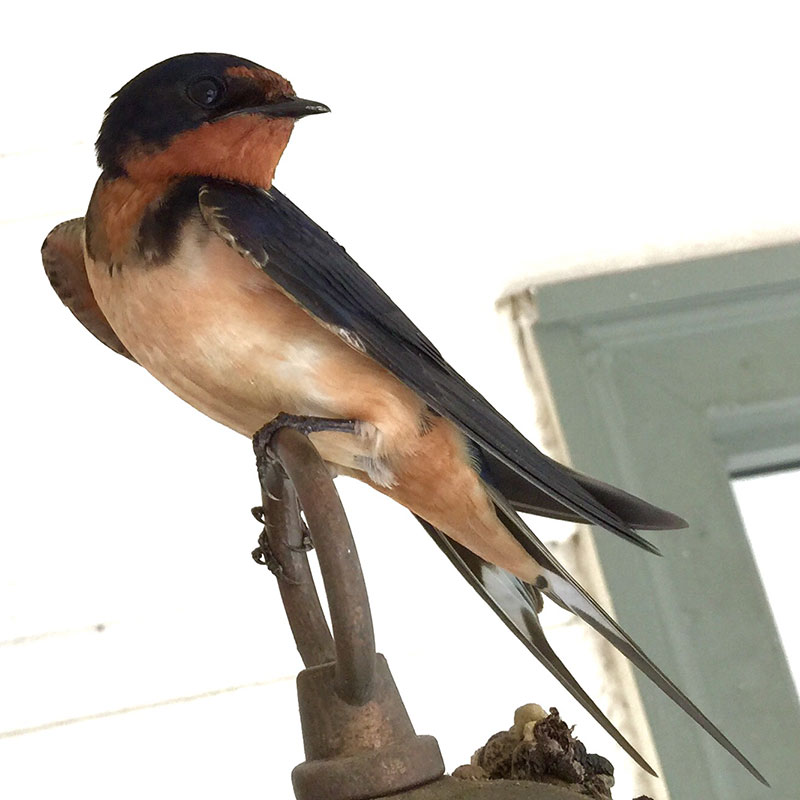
[(305, 545), (263, 553)]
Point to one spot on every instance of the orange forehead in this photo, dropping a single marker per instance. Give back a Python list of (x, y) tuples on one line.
[(274, 85)]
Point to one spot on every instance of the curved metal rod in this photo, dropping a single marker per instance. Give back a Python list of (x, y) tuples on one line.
[(284, 532), (351, 619)]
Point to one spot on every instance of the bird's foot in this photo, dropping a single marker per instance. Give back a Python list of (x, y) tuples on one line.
[(269, 469), (263, 553), (263, 437), (305, 545)]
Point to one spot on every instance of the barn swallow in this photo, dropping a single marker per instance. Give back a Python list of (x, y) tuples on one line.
[(191, 263)]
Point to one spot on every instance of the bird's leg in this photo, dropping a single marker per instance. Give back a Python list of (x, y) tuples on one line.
[(268, 465), (262, 438)]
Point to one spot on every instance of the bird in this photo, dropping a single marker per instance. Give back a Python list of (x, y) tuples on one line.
[(190, 262)]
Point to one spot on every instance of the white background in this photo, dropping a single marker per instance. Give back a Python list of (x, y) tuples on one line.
[(470, 146)]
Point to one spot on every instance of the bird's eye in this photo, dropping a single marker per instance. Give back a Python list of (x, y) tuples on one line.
[(206, 92)]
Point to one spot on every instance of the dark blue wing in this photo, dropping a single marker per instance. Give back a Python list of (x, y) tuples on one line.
[(310, 266)]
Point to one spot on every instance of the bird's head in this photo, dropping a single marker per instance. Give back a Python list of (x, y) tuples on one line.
[(201, 114)]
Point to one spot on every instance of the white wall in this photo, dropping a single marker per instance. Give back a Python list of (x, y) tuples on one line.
[(469, 146)]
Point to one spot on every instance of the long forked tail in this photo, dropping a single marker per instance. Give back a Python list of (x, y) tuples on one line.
[(515, 602)]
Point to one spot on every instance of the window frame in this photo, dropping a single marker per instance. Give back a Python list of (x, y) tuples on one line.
[(667, 380)]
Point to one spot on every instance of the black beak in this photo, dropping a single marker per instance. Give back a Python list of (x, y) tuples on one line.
[(294, 108), (288, 108)]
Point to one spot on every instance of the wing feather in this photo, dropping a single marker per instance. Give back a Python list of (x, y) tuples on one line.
[(62, 257)]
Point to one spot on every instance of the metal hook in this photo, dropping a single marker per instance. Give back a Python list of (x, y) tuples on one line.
[(351, 619), (358, 739)]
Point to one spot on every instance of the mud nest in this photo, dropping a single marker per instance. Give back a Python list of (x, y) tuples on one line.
[(540, 747)]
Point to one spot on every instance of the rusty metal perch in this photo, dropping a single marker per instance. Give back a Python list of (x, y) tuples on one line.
[(359, 741)]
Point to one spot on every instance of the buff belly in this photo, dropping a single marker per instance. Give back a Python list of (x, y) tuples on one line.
[(222, 336)]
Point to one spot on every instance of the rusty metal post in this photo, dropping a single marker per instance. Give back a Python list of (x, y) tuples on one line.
[(359, 741)]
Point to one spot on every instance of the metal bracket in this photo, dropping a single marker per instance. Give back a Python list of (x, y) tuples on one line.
[(359, 741)]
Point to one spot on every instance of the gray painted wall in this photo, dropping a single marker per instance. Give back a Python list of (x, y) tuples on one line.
[(666, 380)]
